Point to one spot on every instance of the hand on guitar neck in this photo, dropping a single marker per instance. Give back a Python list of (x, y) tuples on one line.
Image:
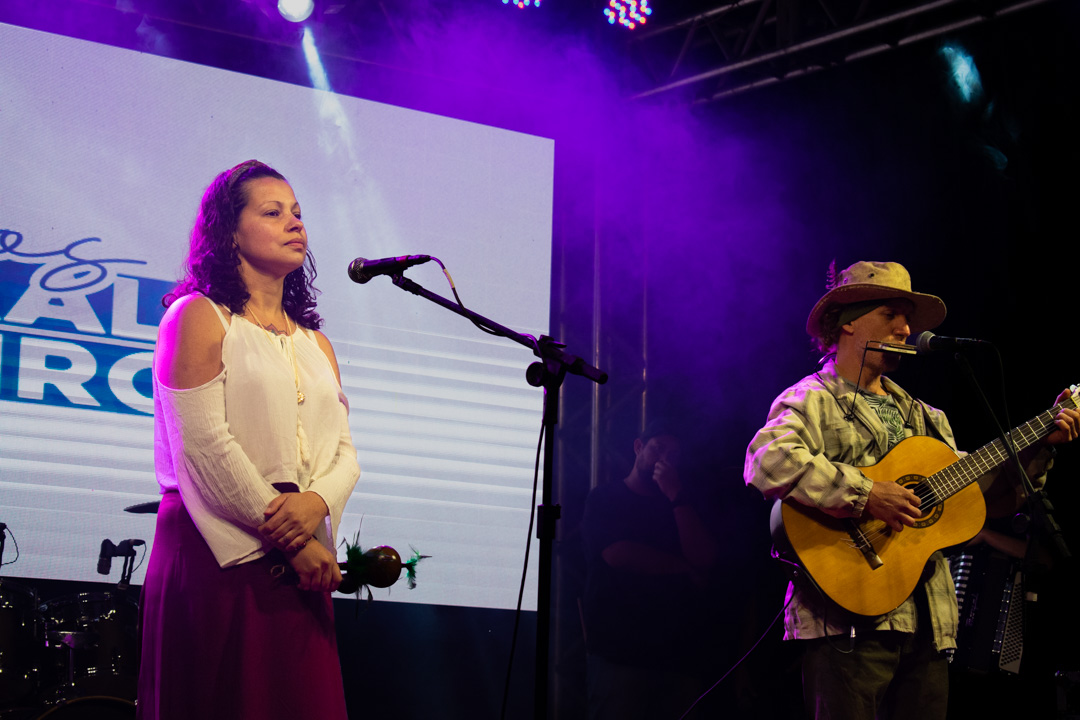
[(1067, 421), (893, 504), (897, 506)]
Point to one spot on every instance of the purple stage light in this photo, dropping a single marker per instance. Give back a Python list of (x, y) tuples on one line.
[(628, 13)]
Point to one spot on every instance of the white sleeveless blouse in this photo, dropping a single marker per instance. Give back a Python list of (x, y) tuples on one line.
[(223, 445)]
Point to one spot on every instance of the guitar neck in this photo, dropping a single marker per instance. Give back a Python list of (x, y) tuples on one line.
[(954, 478)]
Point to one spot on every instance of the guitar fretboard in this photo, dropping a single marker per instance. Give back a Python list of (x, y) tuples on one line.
[(950, 480)]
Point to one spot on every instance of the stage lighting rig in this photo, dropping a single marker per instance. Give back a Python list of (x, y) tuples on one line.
[(522, 3), (628, 13)]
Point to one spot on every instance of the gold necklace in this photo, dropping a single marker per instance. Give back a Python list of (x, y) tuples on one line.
[(292, 350)]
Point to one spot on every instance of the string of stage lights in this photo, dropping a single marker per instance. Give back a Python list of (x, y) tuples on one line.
[(628, 13)]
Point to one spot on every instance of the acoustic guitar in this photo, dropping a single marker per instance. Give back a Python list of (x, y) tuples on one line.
[(863, 565)]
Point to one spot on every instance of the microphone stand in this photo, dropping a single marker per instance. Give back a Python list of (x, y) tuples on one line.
[(1039, 506), (1039, 521), (549, 373), (127, 551)]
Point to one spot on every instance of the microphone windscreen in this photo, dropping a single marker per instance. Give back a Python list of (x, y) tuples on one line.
[(104, 563)]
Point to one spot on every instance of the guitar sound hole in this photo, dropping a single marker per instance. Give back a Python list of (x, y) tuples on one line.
[(931, 512)]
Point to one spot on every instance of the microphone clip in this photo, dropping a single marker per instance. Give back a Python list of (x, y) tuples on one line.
[(927, 341)]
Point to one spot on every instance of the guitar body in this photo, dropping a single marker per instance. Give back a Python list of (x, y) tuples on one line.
[(826, 546)]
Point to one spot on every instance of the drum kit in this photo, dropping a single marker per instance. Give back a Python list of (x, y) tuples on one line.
[(67, 657)]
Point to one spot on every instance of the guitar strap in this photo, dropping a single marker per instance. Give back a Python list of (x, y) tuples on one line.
[(928, 421)]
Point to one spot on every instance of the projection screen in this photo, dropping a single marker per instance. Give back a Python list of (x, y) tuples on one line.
[(105, 154)]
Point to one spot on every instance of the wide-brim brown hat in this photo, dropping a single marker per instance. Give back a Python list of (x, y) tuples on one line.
[(866, 281)]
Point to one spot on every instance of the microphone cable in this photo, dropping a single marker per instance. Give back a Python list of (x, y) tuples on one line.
[(6, 529), (747, 654), (479, 325)]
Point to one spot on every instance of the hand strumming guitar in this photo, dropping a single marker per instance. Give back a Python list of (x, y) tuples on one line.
[(893, 504)]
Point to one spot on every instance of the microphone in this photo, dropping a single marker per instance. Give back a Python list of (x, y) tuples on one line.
[(361, 269), (125, 548), (927, 342), (104, 563)]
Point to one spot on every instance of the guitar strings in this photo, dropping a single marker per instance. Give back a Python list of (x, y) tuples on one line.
[(928, 488), (952, 478)]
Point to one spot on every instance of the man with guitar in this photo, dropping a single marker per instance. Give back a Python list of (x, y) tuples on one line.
[(873, 602)]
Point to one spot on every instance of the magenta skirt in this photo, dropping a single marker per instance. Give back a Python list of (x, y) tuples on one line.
[(234, 642)]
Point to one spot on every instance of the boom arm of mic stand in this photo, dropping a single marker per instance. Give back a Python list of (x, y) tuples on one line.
[(545, 348)]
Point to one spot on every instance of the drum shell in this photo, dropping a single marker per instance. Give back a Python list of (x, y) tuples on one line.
[(92, 646), (21, 639), (93, 707)]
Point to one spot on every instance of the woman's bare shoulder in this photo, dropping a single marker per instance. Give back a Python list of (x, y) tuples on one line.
[(189, 343)]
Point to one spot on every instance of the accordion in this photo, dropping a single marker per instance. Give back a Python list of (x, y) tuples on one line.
[(990, 595)]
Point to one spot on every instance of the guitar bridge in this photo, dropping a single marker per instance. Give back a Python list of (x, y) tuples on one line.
[(863, 545)]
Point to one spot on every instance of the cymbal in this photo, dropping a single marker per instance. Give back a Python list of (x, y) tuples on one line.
[(142, 508)]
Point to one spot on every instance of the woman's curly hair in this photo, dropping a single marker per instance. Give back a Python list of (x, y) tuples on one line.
[(213, 262)]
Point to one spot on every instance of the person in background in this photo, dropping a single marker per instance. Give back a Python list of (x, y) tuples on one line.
[(648, 556)]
